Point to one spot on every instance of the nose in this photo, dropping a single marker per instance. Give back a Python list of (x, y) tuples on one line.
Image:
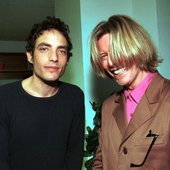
[(53, 56), (110, 62)]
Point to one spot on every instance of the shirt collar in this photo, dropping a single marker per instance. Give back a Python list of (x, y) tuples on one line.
[(138, 92)]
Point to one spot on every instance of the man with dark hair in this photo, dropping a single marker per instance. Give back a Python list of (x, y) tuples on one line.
[(42, 118)]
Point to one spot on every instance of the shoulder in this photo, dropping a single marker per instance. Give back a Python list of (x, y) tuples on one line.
[(9, 92), (72, 95), (166, 87), (160, 82), (114, 98), (70, 89), (166, 82), (10, 87)]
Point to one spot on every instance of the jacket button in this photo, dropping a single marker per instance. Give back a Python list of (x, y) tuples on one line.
[(125, 151)]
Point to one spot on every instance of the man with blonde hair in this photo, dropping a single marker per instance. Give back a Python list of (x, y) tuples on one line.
[(135, 126)]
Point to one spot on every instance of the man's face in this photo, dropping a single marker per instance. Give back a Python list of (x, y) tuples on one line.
[(50, 56), (128, 77)]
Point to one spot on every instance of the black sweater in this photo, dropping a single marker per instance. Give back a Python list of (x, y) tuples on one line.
[(41, 133)]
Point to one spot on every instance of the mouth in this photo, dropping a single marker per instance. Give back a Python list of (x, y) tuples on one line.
[(119, 71), (52, 68)]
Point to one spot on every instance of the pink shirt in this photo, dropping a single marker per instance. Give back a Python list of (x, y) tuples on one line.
[(133, 98)]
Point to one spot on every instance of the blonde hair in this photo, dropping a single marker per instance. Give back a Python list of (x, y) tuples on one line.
[(128, 41)]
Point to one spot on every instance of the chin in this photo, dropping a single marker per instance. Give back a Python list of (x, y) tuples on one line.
[(51, 79), (121, 83)]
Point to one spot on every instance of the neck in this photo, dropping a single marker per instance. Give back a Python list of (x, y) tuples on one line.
[(139, 78), (38, 88)]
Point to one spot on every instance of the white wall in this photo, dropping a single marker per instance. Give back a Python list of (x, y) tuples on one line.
[(145, 13), (163, 8), (69, 12)]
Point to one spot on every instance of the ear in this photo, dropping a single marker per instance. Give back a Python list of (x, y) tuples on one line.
[(68, 59), (29, 57)]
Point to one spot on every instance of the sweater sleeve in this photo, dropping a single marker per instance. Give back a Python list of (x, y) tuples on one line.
[(75, 145), (4, 138)]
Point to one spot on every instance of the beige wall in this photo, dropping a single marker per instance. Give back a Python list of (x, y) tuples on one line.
[(69, 12)]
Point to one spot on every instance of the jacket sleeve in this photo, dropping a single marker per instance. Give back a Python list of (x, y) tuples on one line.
[(75, 146), (4, 138), (97, 165)]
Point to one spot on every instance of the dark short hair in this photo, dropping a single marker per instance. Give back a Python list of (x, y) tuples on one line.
[(49, 23)]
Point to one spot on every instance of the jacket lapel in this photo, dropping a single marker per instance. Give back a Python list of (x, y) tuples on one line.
[(144, 111), (140, 116), (119, 113)]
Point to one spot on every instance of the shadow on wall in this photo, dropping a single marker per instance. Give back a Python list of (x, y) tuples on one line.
[(102, 88)]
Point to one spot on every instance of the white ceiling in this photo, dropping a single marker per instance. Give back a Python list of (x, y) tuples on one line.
[(18, 16)]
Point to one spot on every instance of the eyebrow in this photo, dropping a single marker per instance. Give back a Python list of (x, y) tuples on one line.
[(102, 53), (49, 45), (44, 44)]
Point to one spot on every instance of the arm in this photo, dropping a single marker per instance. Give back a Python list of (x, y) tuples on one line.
[(4, 139), (75, 147)]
